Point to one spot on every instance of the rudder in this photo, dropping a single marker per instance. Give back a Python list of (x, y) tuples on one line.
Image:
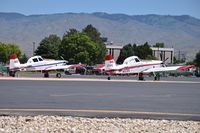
[(109, 62), (14, 62)]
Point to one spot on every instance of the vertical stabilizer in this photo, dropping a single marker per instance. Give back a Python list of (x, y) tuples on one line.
[(14, 62), (109, 62)]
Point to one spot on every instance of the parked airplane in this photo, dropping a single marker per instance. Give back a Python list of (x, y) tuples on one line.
[(133, 65), (37, 63)]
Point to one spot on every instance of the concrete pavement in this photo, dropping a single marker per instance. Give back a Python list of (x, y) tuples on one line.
[(115, 98)]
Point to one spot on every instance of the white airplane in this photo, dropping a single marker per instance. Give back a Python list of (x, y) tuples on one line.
[(133, 65), (37, 63)]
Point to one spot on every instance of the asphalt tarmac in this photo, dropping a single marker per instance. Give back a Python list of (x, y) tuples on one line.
[(99, 97)]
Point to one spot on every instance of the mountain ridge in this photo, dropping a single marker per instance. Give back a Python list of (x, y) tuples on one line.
[(181, 32)]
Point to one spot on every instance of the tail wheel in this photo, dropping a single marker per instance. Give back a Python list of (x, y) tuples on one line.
[(12, 73), (58, 75)]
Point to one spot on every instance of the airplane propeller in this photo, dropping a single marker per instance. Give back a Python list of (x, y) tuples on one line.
[(164, 62), (64, 60)]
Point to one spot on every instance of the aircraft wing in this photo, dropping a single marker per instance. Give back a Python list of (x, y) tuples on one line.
[(169, 68), (64, 67)]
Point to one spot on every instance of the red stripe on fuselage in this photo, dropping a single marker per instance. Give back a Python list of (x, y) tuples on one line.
[(130, 67), (185, 67)]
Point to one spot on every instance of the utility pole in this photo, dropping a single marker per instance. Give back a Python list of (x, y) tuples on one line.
[(179, 55)]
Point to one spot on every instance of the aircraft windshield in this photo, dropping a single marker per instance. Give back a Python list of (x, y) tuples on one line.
[(40, 59)]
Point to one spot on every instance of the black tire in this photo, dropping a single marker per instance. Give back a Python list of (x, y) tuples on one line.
[(109, 78), (12, 73), (141, 77), (157, 78), (46, 74), (58, 75)]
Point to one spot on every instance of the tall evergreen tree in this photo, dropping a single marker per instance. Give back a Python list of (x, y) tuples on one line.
[(142, 51), (197, 59), (126, 51), (160, 45), (95, 36), (93, 33), (48, 47), (23, 58), (77, 47)]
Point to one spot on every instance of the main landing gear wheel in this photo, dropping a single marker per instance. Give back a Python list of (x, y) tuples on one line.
[(46, 74), (141, 77), (58, 75), (12, 73), (156, 76)]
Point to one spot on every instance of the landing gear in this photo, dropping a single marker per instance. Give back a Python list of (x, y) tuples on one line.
[(141, 77), (58, 75), (46, 74), (108, 77), (12, 73), (156, 76)]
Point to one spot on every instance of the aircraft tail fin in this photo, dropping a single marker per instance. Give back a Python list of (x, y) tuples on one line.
[(14, 62), (109, 62)]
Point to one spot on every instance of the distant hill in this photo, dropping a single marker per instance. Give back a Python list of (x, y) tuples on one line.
[(180, 32)]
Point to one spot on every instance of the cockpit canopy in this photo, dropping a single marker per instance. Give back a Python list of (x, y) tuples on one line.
[(131, 60), (35, 59)]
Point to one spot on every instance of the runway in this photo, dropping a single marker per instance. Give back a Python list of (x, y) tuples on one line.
[(93, 97)]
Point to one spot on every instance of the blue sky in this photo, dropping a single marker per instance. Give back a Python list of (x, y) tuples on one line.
[(131, 7)]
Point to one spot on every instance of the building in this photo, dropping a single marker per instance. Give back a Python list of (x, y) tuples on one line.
[(114, 50), (164, 54)]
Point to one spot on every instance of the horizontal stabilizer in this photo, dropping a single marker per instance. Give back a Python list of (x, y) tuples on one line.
[(170, 68)]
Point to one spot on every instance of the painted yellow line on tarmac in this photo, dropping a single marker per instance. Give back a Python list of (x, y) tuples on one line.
[(96, 80), (101, 111)]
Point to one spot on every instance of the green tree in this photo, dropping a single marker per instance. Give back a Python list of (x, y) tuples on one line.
[(142, 51), (23, 58), (127, 50), (160, 45), (178, 61), (93, 33), (48, 47), (78, 47), (197, 59), (71, 31), (6, 49), (95, 36)]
